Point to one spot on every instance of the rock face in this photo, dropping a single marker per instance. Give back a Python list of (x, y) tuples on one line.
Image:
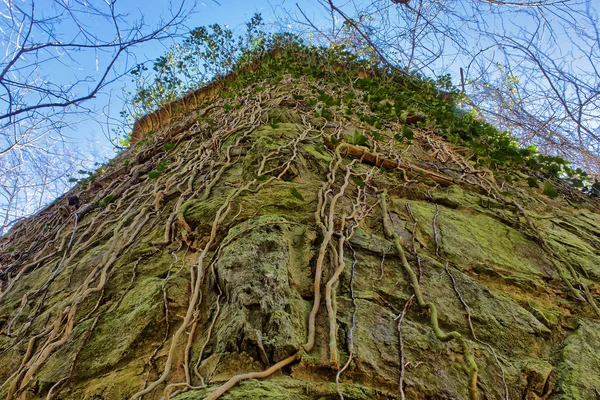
[(271, 233)]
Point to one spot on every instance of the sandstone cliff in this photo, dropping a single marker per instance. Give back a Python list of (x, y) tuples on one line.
[(314, 236)]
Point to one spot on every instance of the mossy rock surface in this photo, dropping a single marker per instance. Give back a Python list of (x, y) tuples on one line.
[(208, 270)]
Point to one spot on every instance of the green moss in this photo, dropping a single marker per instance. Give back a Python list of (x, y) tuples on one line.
[(579, 363), (283, 116), (485, 245), (118, 333), (202, 213), (276, 199), (279, 388), (568, 238), (259, 309)]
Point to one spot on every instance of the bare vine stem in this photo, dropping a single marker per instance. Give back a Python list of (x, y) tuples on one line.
[(436, 237), (439, 333)]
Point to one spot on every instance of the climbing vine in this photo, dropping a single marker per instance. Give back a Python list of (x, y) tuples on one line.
[(360, 130)]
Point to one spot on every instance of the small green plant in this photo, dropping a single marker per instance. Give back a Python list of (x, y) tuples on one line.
[(158, 171), (549, 190), (168, 146), (358, 182), (357, 139), (294, 192), (261, 178), (532, 183), (106, 200)]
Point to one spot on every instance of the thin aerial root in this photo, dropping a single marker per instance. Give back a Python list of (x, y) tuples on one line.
[(414, 239), (400, 318), (252, 375), (323, 249), (352, 327), (439, 333), (221, 214), (333, 353)]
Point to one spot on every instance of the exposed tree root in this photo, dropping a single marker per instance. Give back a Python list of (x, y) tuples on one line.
[(329, 301), (221, 214), (63, 325), (253, 375), (379, 160), (327, 234)]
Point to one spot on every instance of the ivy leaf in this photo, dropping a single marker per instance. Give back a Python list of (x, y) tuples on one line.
[(168, 146), (404, 115), (377, 136), (358, 181), (153, 174), (73, 180), (319, 150), (549, 190), (577, 183), (261, 178), (357, 139), (399, 138), (334, 140), (408, 133), (325, 113), (532, 183), (294, 192), (227, 107), (105, 201), (162, 166)]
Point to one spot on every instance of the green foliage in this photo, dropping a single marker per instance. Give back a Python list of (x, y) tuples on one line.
[(549, 190), (106, 200), (328, 100), (407, 133), (387, 94), (357, 139), (206, 53), (377, 135), (358, 182), (158, 171), (274, 123), (89, 176), (294, 192), (532, 183), (261, 178)]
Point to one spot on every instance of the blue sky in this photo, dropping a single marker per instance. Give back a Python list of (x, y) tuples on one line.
[(88, 133)]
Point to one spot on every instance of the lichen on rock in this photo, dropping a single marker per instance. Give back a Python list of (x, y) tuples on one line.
[(261, 260)]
